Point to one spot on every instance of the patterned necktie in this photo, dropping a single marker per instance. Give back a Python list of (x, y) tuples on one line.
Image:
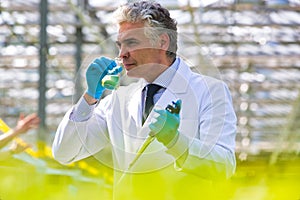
[(149, 103)]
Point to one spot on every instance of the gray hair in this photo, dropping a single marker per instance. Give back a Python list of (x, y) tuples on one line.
[(155, 17)]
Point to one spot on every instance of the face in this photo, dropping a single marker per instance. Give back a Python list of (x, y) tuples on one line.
[(140, 58)]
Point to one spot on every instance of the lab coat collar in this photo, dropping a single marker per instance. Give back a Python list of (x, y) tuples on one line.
[(177, 87), (175, 90), (180, 81)]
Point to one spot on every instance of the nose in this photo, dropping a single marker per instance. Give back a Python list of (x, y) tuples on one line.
[(123, 52)]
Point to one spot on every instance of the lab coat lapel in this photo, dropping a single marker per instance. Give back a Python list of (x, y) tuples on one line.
[(135, 102), (135, 107), (176, 90)]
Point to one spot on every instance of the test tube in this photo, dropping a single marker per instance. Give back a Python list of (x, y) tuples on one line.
[(112, 80)]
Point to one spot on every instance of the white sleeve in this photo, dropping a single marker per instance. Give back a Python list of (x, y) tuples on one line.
[(77, 140), (82, 111)]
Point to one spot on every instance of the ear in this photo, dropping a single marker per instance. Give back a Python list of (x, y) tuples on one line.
[(164, 41)]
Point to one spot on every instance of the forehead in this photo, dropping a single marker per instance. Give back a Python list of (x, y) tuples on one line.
[(127, 29)]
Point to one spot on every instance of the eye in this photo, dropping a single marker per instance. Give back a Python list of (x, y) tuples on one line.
[(131, 43), (118, 44)]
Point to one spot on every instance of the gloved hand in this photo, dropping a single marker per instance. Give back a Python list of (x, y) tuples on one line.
[(165, 126), (95, 73)]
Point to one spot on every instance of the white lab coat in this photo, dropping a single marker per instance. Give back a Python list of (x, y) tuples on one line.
[(207, 131)]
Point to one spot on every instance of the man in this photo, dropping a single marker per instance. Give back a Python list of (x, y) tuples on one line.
[(188, 148)]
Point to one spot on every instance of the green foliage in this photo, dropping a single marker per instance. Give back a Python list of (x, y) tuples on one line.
[(253, 180)]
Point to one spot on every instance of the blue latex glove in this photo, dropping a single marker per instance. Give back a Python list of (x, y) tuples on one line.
[(95, 73), (165, 126)]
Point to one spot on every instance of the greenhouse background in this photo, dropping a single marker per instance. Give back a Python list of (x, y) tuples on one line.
[(252, 45)]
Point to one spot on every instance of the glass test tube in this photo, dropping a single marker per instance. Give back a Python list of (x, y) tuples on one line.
[(112, 81)]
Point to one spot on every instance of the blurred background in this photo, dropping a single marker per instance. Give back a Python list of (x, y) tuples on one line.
[(253, 45)]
